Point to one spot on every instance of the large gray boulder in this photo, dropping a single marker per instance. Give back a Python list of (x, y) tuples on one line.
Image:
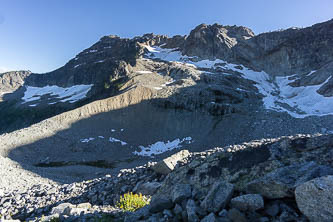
[(315, 199), (218, 197), (168, 164), (282, 182)]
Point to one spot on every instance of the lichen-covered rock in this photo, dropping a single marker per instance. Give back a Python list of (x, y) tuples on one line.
[(248, 202), (315, 199)]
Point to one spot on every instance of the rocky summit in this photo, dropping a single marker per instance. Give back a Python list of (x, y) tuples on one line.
[(218, 125)]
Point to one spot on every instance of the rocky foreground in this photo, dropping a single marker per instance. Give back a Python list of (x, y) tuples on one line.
[(280, 179)]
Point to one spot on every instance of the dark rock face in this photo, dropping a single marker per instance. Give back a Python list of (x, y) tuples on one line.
[(104, 63), (290, 51), (215, 41)]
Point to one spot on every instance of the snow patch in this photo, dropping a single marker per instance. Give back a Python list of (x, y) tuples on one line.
[(87, 140), (174, 55), (311, 73), (71, 94), (114, 140), (92, 51), (78, 65), (143, 72), (161, 147), (299, 102)]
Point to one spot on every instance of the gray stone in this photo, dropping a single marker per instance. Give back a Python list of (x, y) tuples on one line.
[(315, 199), (75, 211), (167, 213), (181, 192), (84, 205), (283, 181), (177, 210), (191, 211), (148, 188), (49, 218), (159, 203), (61, 209), (223, 213), (272, 209), (249, 202), (167, 165), (236, 216), (209, 218), (218, 196)]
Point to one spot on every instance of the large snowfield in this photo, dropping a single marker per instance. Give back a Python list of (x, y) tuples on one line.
[(299, 102), (71, 94)]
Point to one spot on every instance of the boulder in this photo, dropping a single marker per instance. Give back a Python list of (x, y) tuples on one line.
[(191, 209), (315, 199), (209, 218), (181, 192), (218, 196), (236, 216), (249, 202), (63, 208), (159, 203), (148, 188), (167, 165), (282, 182)]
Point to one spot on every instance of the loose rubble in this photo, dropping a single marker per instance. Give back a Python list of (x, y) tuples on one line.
[(291, 185)]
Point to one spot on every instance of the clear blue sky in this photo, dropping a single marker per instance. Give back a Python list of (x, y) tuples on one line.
[(42, 35)]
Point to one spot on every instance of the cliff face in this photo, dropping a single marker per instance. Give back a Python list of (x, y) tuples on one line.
[(10, 81)]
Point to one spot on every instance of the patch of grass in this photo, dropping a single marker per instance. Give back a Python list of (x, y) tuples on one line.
[(132, 202), (55, 219)]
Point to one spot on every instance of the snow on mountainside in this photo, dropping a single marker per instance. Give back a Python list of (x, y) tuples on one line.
[(70, 94), (299, 102)]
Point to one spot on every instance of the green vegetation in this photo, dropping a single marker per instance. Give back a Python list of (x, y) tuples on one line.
[(131, 202), (55, 219)]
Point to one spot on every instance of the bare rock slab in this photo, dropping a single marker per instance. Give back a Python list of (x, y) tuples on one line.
[(168, 164)]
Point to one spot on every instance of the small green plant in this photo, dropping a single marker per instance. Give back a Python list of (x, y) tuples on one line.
[(55, 219), (132, 202)]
